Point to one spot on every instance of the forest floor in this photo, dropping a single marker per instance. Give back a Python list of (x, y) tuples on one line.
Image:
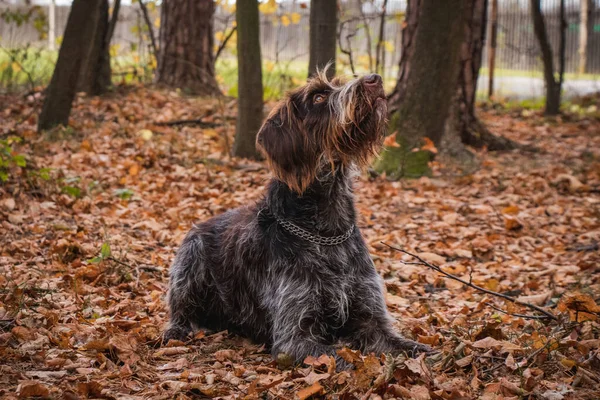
[(89, 228)]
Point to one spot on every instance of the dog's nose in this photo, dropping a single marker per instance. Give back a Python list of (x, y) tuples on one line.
[(373, 80)]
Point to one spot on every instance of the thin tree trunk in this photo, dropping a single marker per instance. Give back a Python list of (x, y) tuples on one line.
[(584, 17), (80, 33), (492, 47), (52, 25), (366, 27), (250, 90), (380, 49), (322, 36), (186, 58), (553, 86), (95, 76), (146, 16)]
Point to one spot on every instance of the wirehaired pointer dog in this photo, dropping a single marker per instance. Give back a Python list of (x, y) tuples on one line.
[(293, 270)]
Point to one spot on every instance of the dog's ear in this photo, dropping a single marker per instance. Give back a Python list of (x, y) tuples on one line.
[(290, 151)]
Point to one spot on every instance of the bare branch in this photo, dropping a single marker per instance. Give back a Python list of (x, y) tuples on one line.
[(347, 51), (525, 316), (484, 290), (224, 42)]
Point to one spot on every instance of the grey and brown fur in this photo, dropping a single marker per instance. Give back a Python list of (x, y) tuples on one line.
[(244, 272)]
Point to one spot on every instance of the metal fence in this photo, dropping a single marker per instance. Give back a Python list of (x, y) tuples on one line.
[(285, 36)]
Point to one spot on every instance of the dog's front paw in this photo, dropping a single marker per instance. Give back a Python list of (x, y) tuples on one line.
[(413, 348), (175, 333)]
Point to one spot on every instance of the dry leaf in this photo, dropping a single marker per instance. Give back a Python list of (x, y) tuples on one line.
[(390, 140), (310, 391)]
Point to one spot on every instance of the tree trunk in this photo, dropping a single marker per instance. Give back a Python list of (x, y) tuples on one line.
[(250, 90), (471, 130), (492, 47), (185, 57), (435, 98), (553, 85), (322, 37), (584, 17), (427, 82), (81, 29), (95, 75)]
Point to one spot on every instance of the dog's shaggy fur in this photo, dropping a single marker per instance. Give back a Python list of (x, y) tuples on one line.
[(246, 272)]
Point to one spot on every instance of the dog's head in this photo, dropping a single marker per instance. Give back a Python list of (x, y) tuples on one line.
[(324, 123)]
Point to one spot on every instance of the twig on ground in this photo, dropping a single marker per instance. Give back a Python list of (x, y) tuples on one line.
[(143, 267), (547, 314), (516, 315), (195, 121)]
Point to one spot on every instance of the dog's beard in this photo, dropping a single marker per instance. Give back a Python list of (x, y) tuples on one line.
[(358, 123)]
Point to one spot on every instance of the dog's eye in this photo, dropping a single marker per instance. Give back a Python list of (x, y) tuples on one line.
[(319, 98)]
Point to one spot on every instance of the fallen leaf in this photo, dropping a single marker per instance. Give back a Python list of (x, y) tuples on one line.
[(310, 391), (390, 140), (29, 389)]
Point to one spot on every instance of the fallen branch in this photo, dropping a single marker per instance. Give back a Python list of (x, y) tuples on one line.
[(470, 284), (180, 122), (196, 121), (525, 316), (143, 267)]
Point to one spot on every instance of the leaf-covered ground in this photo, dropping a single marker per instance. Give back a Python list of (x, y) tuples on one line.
[(88, 230)]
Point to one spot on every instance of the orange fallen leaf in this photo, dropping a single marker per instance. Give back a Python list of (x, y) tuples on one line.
[(513, 210), (512, 223), (390, 140), (29, 389), (429, 146), (310, 391)]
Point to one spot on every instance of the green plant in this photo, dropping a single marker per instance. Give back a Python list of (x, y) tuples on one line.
[(105, 254), (9, 158), (124, 194), (71, 188)]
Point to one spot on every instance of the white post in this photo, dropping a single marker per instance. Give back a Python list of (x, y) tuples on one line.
[(52, 25)]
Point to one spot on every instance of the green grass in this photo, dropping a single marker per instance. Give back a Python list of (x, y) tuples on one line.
[(23, 68)]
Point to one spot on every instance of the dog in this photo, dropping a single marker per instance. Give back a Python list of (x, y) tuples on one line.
[(293, 270)]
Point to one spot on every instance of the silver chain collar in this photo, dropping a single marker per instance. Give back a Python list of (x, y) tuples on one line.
[(311, 237)]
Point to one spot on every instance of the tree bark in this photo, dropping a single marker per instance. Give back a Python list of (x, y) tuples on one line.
[(185, 57), (553, 85), (471, 130), (322, 36), (80, 32), (95, 75), (436, 90), (250, 90), (426, 87)]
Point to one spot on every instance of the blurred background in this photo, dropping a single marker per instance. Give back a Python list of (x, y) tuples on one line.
[(31, 32)]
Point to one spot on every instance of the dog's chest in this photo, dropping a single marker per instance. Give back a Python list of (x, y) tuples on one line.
[(333, 276)]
